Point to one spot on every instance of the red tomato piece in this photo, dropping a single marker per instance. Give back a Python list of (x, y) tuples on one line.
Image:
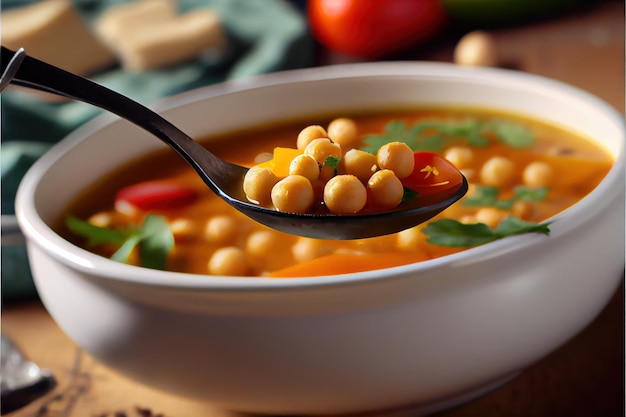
[(432, 174), (374, 28), (156, 195)]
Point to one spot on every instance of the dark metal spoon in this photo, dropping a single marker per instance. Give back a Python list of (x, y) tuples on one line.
[(21, 381), (224, 178)]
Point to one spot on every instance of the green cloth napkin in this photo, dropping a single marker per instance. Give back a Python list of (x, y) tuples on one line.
[(263, 36)]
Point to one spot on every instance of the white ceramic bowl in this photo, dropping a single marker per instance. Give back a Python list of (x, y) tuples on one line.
[(424, 336)]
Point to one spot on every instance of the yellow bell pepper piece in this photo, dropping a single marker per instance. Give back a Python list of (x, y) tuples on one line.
[(279, 164)]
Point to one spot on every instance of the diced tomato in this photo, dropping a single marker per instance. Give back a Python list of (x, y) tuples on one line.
[(432, 174), (156, 195)]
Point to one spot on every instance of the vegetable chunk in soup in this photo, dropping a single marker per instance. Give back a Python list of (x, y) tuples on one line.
[(156, 212)]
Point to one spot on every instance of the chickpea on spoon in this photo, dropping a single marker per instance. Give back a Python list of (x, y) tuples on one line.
[(228, 180)]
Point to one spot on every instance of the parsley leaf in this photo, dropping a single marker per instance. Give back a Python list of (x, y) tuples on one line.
[(124, 251), (512, 225), (486, 196), (435, 135), (452, 233), (525, 193), (153, 238), (483, 196), (333, 162), (95, 235), (156, 242), (408, 194), (512, 134)]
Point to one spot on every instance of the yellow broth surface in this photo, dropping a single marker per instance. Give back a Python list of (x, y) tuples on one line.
[(212, 238)]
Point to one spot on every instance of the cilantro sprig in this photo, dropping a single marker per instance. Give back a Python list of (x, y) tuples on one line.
[(153, 238), (486, 196), (333, 162), (452, 233), (436, 135)]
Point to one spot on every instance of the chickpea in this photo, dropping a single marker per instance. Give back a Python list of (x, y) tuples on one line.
[(345, 132), (525, 210), (375, 244), (537, 174), (385, 189), (258, 183), (459, 156), (101, 219), (345, 194), (410, 239), (360, 164), (221, 229), (322, 148), (308, 134), (182, 228), (267, 250), (124, 208), (467, 219), (261, 243), (229, 260), (306, 166), (398, 157), (491, 216), (497, 171), (476, 48), (306, 249), (263, 157), (293, 193)]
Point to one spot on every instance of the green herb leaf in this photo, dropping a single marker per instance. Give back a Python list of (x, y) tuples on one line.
[(525, 193), (333, 162), (154, 239), (124, 251), (513, 134), (486, 196), (408, 194), (512, 225), (436, 135), (394, 131), (156, 242), (95, 235), (452, 233)]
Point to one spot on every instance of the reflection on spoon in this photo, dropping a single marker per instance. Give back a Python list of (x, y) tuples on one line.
[(21, 381), (224, 178)]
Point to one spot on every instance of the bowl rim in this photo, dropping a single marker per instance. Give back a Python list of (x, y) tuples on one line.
[(36, 230)]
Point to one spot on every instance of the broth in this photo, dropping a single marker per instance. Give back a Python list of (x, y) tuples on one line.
[(212, 238)]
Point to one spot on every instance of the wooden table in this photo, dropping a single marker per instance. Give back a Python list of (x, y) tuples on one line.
[(583, 378)]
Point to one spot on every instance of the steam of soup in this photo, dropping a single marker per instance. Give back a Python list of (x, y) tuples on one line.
[(156, 212)]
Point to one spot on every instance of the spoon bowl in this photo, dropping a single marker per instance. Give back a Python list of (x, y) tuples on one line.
[(222, 177)]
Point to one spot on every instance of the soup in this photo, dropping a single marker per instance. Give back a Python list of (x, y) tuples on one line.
[(157, 212)]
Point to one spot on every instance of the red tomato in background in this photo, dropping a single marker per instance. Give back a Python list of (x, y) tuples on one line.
[(374, 28)]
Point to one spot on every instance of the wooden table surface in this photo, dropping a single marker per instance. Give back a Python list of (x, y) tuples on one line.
[(585, 377)]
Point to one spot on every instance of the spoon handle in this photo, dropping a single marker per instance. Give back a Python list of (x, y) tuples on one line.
[(21, 69)]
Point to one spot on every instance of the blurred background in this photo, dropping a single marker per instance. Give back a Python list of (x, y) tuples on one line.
[(202, 42)]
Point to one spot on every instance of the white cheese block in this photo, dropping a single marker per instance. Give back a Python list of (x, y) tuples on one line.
[(115, 22), (53, 31), (150, 34)]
